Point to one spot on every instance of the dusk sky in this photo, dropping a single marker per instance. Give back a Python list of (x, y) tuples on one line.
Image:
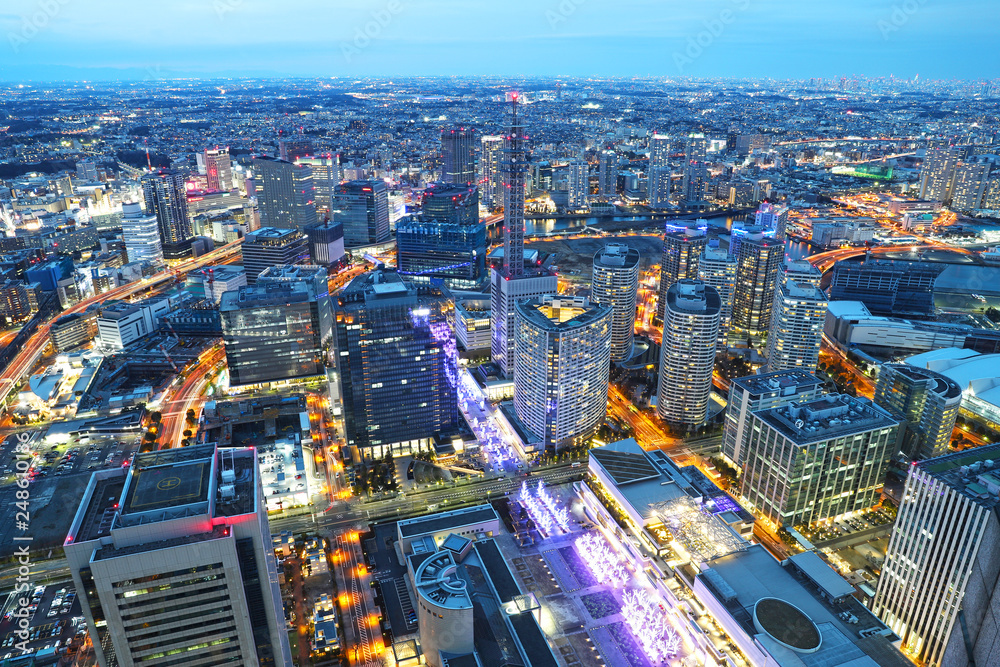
[(99, 39)]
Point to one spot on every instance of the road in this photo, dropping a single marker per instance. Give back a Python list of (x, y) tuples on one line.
[(189, 396), (647, 432), (862, 383), (22, 364)]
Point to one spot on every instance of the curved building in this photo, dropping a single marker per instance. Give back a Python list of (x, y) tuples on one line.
[(561, 366), (928, 402), (615, 283), (687, 357), (141, 234), (444, 608)]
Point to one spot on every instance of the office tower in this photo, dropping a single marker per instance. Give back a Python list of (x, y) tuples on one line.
[(285, 193), (971, 179), (808, 461), (291, 150), (927, 402), (269, 246), (938, 586), (577, 184), (428, 249), (326, 243), (393, 372), (762, 392), (325, 175), (937, 176), (218, 169), (458, 155), (453, 203), (141, 234), (512, 282), (173, 564), (272, 333), (717, 268), (799, 271), (695, 175), (615, 283), (363, 208), (756, 273), (491, 172), (687, 355), (166, 198), (561, 368), (659, 171), (607, 174), (797, 319), (681, 253), (886, 287)]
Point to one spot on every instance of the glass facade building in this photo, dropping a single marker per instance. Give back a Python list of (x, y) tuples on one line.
[(454, 253)]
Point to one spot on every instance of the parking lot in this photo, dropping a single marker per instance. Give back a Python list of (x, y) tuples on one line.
[(55, 623)]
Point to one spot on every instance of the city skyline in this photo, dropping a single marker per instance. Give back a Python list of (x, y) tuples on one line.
[(729, 38)]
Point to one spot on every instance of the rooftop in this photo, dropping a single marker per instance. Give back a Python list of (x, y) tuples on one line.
[(975, 473), (169, 478), (781, 382), (436, 523), (825, 418), (560, 314), (267, 294)]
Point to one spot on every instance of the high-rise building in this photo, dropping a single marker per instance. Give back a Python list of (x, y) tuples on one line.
[(971, 179), (325, 176), (285, 193), (14, 303), (363, 208), (800, 271), (615, 283), (937, 176), (393, 371), (141, 234), (173, 563), (577, 184), (429, 248), (926, 401), (512, 282), (717, 268), (762, 392), (269, 246), (695, 175), (218, 169), (458, 155), (273, 333), (607, 174), (326, 242), (887, 287), (681, 253), (166, 198), (756, 274), (561, 368), (797, 319), (687, 352), (453, 203), (291, 150), (809, 461), (659, 171), (771, 217), (938, 586), (491, 172)]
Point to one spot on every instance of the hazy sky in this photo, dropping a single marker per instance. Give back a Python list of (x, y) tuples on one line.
[(45, 39)]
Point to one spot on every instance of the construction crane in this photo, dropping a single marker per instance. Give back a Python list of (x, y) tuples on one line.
[(163, 348)]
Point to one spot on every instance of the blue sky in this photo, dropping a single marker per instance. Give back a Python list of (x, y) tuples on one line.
[(937, 39)]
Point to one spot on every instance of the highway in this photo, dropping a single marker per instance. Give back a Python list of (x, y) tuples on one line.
[(22, 364), (189, 396)]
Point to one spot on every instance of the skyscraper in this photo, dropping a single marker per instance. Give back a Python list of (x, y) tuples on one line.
[(797, 319), (800, 271), (681, 254), (326, 243), (809, 461), (273, 333), (393, 372), (717, 268), (971, 179), (166, 198), (926, 401), (363, 208), (292, 149), (562, 362), (615, 283), (429, 248), (577, 184), (938, 586), (512, 283), (325, 175), (491, 172), (756, 273), (269, 246), (173, 563), (141, 234), (937, 176), (695, 172), (285, 193), (458, 153), (607, 174), (687, 355), (451, 203), (659, 171), (218, 169)]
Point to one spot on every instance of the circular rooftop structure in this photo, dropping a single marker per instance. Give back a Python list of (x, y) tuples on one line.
[(786, 624)]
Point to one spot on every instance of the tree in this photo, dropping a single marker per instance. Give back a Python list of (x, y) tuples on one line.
[(155, 417), (187, 433), (190, 417), (150, 436)]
